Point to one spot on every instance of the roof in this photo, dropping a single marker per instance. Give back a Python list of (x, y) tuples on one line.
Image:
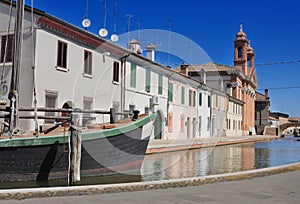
[(294, 119), (273, 118), (208, 67), (261, 97)]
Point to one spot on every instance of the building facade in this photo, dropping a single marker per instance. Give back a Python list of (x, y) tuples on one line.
[(262, 105)]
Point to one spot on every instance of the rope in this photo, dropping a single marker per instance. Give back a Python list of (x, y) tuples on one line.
[(36, 125), (6, 43)]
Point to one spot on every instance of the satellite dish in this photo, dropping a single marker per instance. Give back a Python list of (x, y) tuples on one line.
[(114, 37), (103, 32), (86, 23)]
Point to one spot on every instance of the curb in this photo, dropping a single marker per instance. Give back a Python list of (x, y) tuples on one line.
[(19, 194)]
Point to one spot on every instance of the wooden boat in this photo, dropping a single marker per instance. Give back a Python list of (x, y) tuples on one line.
[(103, 151)]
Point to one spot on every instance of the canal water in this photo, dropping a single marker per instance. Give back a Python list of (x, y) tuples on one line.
[(221, 159), (198, 162)]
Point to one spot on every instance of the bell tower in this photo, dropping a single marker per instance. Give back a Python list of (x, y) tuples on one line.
[(240, 51)]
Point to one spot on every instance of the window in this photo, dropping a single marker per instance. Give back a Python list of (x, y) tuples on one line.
[(240, 52), (170, 122), (200, 123), (87, 105), (87, 62), (148, 80), (160, 84), (7, 45), (116, 71), (208, 123), (62, 48), (133, 75), (208, 101), (200, 99), (192, 98), (182, 95), (50, 102), (170, 92), (181, 123)]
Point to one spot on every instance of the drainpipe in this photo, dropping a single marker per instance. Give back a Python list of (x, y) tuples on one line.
[(123, 84), (168, 103)]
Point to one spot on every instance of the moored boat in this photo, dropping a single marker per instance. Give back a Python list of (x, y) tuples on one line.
[(119, 149)]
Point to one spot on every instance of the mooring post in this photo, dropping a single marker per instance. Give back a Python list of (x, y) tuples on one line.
[(112, 116), (75, 140)]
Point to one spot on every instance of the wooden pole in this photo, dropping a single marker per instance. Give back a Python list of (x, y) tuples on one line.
[(75, 140)]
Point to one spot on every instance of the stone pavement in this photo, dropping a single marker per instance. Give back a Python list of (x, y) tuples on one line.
[(279, 185), (279, 188)]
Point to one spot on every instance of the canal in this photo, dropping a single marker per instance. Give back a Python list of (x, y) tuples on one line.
[(221, 159), (198, 162)]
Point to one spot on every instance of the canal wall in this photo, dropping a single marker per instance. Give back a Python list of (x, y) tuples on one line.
[(159, 146), (20, 194)]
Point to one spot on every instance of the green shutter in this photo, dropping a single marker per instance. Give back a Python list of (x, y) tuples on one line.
[(170, 92), (133, 75), (160, 84), (182, 95), (148, 80), (208, 101), (190, 98), (200, 99)]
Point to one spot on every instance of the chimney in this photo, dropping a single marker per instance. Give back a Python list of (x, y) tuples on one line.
[(150, 53), (184, 68), (134, 46), (267, 93), (203, 75)]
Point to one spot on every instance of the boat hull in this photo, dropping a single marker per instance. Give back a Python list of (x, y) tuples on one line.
[(122, 151)]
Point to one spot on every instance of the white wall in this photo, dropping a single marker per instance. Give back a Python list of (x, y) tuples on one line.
[(140, 98), (204, 114), (72, 85), (177, 109), (234, 115)]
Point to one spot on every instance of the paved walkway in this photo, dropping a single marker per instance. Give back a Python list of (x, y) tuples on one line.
[(158, 146), (279, 188)]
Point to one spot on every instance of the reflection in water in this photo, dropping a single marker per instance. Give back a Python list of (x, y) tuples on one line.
[(218, 160)]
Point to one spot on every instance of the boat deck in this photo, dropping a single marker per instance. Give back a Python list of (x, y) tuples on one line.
[(66, 128)]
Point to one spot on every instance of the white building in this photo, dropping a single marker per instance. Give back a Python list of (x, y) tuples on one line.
[(74, 68)]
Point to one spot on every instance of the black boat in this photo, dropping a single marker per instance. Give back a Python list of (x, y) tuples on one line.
[(119, 149)]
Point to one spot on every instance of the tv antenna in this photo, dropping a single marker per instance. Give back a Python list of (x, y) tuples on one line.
[(114, 37), (169, 40), (129, 16), (103, 32), (86, 22)]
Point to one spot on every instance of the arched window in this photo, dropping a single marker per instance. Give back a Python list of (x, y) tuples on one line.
[(240, 52)]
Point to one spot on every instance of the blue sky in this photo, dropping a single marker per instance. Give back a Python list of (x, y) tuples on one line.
[(272, 26)]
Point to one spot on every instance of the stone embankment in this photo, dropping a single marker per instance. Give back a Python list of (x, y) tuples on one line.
[(159, 146)]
